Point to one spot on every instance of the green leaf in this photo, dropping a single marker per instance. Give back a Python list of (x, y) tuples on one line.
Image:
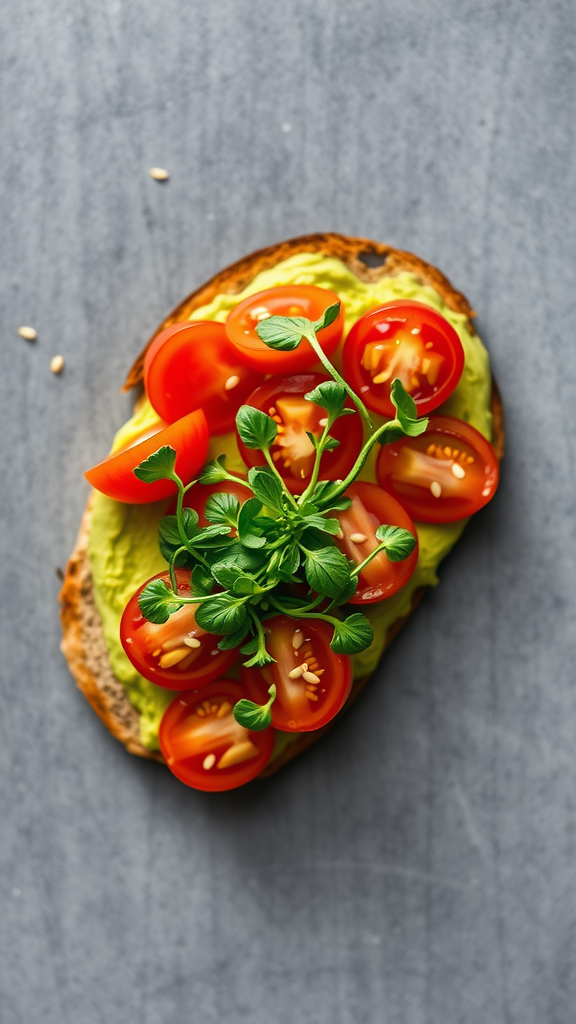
[(210, 533), (348, 592), (327, 571), (256, 646), (254, 716), (284, 333), (157, 602), (222, 508), (255, 428), (330, 395), (249, 532), (158, 466), (398, 543), (232, 578), (323, 497), (331, 443), (406, 412), (353, 635), (202, 583), (328, 317), (267, 487), (232, 640), (241, 558), (289, 561), (222, 614), (319, 522), (214, 472)]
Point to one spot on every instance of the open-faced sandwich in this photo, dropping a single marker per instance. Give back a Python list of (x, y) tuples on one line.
[(317, 424)]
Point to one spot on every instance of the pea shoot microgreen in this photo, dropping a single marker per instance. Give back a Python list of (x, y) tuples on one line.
[(245, 562)]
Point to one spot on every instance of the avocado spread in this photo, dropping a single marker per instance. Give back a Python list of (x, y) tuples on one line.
[(123, 545)]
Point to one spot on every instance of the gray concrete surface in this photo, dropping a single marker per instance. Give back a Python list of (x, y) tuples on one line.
[(418, 866)]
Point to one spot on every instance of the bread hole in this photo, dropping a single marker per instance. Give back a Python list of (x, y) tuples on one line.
[(372, 259)]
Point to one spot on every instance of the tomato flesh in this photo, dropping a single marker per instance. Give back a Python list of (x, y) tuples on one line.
[(312, 699), (285, 300), (372, 507), (409, 341), (292, 451), (446, 474), (178, 654), (115, 475), (203, 744), (192, 365)]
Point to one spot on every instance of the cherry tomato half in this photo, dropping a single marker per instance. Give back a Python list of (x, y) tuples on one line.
[(408, 340), (198, 495), (370, 508), (446, 474), (192, 365), (312, 682), (292, 451), (285, 300), (203, 744), (178, 654), (115, 475)]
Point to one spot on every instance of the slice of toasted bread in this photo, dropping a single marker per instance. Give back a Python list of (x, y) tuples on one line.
[(83, 641)]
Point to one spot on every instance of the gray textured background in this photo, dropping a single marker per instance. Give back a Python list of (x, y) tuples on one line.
[(417, 866)]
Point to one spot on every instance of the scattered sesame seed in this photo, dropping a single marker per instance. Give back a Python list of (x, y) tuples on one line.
[(28, 333), (232, 382), (323, 422), (57, 364), (457, 470), (358, 538), (158, 173), (436, 489), (209, 761)]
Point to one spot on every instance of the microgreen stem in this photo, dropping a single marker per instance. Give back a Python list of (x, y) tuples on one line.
[(337, 377), (362, 565), (270, 461), (296, 613), (358, 465), (316, 470)]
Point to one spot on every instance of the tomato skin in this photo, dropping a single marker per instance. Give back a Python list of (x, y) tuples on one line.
[(348, 430), (189, 365), (190, 738), (383, 577), (398, 322), (285, 300), (462, 494), (141, 638), (115, 475), (293, 711)]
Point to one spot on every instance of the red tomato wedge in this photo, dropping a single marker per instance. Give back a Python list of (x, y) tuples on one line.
[(285, 300), (203, 744), (177, 654), (192, 365), (115, 475), (408, 340), (312, 682), (444, 475), (370, 508), (293, 452), (198, 495)]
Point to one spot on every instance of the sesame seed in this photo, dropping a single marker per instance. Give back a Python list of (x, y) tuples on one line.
[(158, 173), (323, 422), (232, 382), (209, 761), (457, 470), (57, 364), (436, 489), (191, 641), (296, 672), (28, 333), (358, 538), (297, 639), (310, 677)]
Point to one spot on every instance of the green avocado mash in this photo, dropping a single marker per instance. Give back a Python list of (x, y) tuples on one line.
[(123, 547)]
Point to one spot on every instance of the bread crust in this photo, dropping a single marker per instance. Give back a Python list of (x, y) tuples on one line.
[(83, 641)]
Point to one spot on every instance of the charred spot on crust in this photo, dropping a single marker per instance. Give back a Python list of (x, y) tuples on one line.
[(372, 259)]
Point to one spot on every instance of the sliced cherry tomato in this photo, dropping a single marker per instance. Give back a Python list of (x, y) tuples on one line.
[(446, 474), (115, 475), (203, 744), (293, 452), (285, 300), (192, 365), (372, 507), (408, 340), (178, 654), (198, 495), (312, 682)]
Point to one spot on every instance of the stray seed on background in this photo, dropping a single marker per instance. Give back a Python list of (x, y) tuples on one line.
[(28, 333), (158, 173), (57, 364)]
